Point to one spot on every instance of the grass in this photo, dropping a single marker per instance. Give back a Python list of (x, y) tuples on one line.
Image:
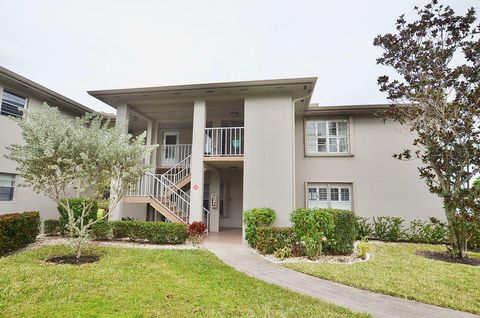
[(396, 270), (144, 283)]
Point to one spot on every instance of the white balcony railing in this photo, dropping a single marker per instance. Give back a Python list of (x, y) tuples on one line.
[(224, 142), (172, 154)]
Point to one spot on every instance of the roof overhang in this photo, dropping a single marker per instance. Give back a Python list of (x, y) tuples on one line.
[(297, 87), (315, 109), (47, 95)]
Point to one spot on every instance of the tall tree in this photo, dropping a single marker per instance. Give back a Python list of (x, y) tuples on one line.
[(62, 157), (436, 93)]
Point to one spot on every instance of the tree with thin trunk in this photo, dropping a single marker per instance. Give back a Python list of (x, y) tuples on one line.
[(436, 94), (63, 157)]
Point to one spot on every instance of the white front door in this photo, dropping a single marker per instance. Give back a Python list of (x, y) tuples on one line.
[(170, 148)]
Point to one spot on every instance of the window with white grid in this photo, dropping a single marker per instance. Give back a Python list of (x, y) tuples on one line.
[(7, 186), (329, 195), (327, 136), (12, 104)]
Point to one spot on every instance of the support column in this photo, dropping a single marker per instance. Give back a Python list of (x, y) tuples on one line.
[(214, 191), (122, 118), (198, 139), (152, 136)]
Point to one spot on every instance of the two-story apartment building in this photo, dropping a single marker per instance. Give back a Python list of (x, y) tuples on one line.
[(229, 147), (18, 93)]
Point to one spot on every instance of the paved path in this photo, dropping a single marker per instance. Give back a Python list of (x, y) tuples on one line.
[(242, 259)]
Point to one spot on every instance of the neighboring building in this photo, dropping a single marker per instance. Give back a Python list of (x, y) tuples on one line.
[(229, 147), (16, 94)]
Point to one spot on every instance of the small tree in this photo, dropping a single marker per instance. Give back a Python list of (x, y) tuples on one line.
[(62, 157), (437, 95)]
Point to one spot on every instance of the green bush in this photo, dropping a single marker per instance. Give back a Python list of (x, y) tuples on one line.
[(270, 239), (433, 231), (388, 228), (364, 228), (313, 227), (77, 205), (255, 218), (120, 229), (17, 230), (342, 237), (52, 227), (153, 232), (101, 231)]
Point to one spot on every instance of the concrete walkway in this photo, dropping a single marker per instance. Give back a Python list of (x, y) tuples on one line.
[(230, 250)]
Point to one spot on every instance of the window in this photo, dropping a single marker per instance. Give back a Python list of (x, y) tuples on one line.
[(326, 195), (327, 136), (7, 186), (12, 104)]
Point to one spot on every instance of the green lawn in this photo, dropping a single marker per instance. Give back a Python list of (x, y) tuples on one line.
[(396, 270), (144, 283)]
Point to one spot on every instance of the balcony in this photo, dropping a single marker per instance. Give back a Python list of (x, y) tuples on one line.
[(224, 142), (172, 154)]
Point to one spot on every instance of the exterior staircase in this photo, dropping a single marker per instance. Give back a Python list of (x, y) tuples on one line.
[(164, 192)]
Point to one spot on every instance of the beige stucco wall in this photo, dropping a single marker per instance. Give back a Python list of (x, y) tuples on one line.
[(24, 198), (269, 155), (382, 185), (136, 211)]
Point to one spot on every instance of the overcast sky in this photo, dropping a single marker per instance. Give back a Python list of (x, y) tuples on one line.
[(75, 46)]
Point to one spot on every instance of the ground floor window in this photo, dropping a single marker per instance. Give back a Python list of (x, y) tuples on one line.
[(329, 195), (7, 186)]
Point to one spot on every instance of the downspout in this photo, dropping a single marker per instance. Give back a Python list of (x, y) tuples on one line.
[(294, 149)]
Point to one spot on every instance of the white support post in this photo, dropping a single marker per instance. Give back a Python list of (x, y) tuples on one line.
[(198, 139), (152, 135), (122, 117)]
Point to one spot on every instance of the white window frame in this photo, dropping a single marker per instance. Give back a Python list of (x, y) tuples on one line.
[(14, 185), (14, 92), (329, 203), (311, 141)]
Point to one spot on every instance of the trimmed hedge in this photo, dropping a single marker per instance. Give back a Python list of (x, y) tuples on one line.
[(342, 238), (271, 239), (153, 232), (76, 204), (53, 227), (101, 231), (17, 230)]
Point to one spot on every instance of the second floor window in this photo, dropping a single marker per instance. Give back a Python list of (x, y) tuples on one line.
[(327, 136), (12, 104)]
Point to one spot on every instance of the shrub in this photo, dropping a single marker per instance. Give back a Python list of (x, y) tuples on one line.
[(120, 229), (364, 228), (166, 233), (77, 204), (197, 231), (270, 239), (283, 253), (388, 228), (53, 227), (17, 230), (313, 227), (255, 218), (101, 231), (342, 237), (363, 248), (434, 231)]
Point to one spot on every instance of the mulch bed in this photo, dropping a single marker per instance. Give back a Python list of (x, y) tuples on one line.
[(445, 257), (72, 260)]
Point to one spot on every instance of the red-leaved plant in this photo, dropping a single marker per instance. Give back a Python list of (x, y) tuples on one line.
[(197, 231)]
